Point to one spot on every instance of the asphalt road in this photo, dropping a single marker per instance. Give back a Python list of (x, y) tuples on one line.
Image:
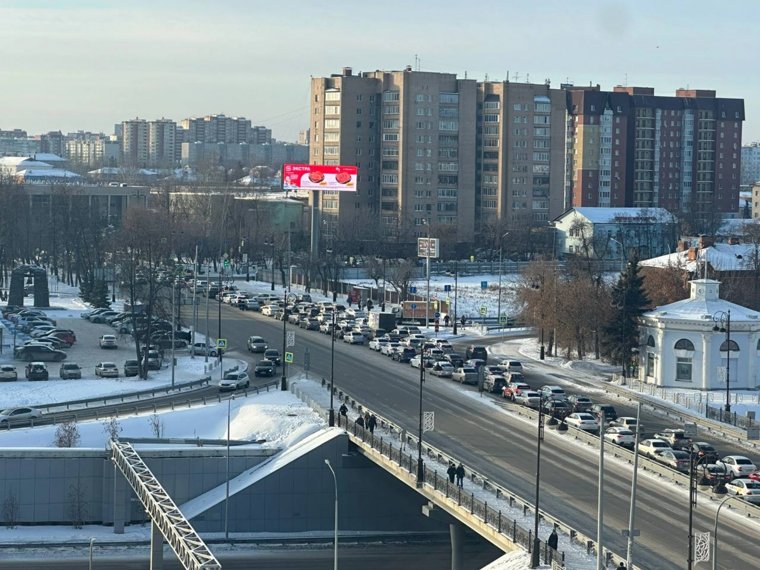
[(502, 447)]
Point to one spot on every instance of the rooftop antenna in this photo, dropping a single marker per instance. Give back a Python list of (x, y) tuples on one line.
[(486, 78), (507, 76), (527, 78), (517, 76), (416, 62), (465, 74)]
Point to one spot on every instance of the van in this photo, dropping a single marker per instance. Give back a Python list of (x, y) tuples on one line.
[(474, 351)]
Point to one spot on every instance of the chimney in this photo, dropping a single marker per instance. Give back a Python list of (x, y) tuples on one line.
[(704, 241), (347, 71), (408, 68)]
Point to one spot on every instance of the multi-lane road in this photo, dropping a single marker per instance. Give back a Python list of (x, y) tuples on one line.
[(490, 439)]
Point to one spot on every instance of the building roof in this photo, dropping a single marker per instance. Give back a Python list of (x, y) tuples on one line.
[(620, 215), (703, 303), (16, 163), (46, 174), (720, 257), (47, 157)]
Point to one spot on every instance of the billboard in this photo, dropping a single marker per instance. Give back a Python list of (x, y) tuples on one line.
[(428, 247), (319, 177)]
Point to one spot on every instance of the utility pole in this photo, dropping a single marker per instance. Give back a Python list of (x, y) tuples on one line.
[(456, 279), (631, 514), (195, 303), (284, 379), (208, 288), (600, 499)]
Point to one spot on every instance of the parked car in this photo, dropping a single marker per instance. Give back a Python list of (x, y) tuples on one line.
[(476, 351), (676, 437), (11, 415), (8, 373), (465, 375), (556, 408), (70, 371), (234, 381), (106, 370), (529, 398), (101, 317), (606, 410), (620, 436), (630, 423), (580, 403), (649, 447), (36, 371), (673, 458), (442, 369), (264, 368), (273, 355), (737, 465), (39, 352), (583, 421), (747, 489), (153, 360), (353, 337), (199, 348), (256, 344), (131, 368), (552, 392), (510, 365), (108, 341)]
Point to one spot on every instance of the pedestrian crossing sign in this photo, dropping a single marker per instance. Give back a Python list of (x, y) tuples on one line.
[(221, 343), (289, 357)]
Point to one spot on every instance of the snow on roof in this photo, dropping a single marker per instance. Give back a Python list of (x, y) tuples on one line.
[(204, 502), (620, 215), (703, 302), (46, 173), (21, 162), (47, 157), (720, 257)]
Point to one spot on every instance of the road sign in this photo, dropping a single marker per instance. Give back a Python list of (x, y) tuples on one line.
[(484, 284), (226, 263), (413, 306), (483, 310), (437, 315), (503, 319), (428, 421), (221, 343), (291, 339), (447, 288), (289, 358), (412, 289), (428, 247)]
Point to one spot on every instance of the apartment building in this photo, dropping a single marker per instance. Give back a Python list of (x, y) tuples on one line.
[(750, 164), (632, 148), (149, 143), (218, 129), (134, 142), (93, 151)]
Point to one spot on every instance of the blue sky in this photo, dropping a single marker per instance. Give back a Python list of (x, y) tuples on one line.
[(76, 64)]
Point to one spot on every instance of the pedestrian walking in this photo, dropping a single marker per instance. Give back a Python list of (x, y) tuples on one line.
[(360, 421), (372, 423), (621, 566), (366, 419), (553, 539), (464, 320), (451, 472), (446, 320), (460, 476), (350, 301), (343, 412)]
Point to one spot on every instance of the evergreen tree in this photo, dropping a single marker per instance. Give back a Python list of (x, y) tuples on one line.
[(99, 296), (620, 335)]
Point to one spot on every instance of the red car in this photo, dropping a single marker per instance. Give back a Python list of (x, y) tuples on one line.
[(511, 390)]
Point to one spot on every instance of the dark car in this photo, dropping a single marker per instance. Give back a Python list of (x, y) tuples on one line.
[(131, 368), (703, 451), (36, 371), (39, 352), (272, 355), (475, 351), (606, 410), (580, 403), (404, 355), (264, 368), (456, 359), (557, 408)]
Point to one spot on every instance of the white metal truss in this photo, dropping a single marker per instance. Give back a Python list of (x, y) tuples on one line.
[(192, 552)]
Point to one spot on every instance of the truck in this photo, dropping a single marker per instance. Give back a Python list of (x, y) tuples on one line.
[(415, 311), (383, 320)]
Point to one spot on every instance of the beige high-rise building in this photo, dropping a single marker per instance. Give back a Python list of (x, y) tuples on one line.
[(134, 142), (162, 143), (216, 129)]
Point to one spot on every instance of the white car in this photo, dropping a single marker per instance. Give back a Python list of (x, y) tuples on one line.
[(11, 415), (8, 372), (390, 347), (552, 392), (628, 423), (234, 380), (649, 447), (378, 343), (419, 360), (528, 398), (353, 338), (620, 436), (107, 370), (738, 465), (108, 341), (748, 489), (442, 369), (268, 310), (583, 421), (199, 348), (511, 366)]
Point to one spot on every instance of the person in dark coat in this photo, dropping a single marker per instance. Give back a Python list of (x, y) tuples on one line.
[(464, 320), (460, 476), (360, 421), (621, 566), (446, 320), (372, 423), (343, 410), (451, 472), (553, 538), (350, 301)]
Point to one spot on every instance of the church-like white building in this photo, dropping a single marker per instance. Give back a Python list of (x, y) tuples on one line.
[(680, 347)]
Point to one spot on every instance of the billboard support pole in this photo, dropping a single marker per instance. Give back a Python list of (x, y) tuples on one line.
[(314, 225)]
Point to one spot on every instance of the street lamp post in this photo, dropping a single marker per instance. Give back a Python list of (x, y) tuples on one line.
[(331, 420), (715, 531), (284, 379), (498, 303), (535, 553), (427, 277), (335, 539), (724, 319), (456, 281), (273, 255), (420, 466), (692, 503), (92, 542)]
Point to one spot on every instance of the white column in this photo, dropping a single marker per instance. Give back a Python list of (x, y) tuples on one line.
[(709, 381)]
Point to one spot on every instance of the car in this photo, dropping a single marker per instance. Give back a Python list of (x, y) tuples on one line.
[(494, 383), (737, 465), (711, 474), (153, 360), (106, 370), (580, 403), (404, 355), (465, 375), (556, 408), (70, 371), (476, 351), (606, 410), (673, 458), (420, 360), (512, 389), (510, 365), (747, 489), (256, 344), (475, 362), (676, 437), (457, 360), (631, 423), (353, 337), (39, 352), (552, 392), (703, 451), (528, 398), (92, 313), (273, 355), (36, 371), (264, 368), (11, 415), (442, 369), (583, 421), (108, 341), (131, 368), (389, 347), (199, 348), (8, 373), (649, 447), (620, 436), (102, 317), (234, 380)]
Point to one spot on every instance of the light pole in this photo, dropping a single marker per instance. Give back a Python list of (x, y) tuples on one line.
[(600, 500), (92, 542), (208, 288), (535, 553), (456, 282), (420, 466), (227, 484), (273, 255), (622, 258), (174, 323), (331, 419), (335, 540), (715, 531), (692, 503), (632, 511), (427, 277), (724, 319), (498, 303), (284, 379)]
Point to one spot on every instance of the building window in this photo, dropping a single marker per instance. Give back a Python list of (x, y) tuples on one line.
[(650, 341), (651, 364), (683, 369), (684, 344), (729, 345)]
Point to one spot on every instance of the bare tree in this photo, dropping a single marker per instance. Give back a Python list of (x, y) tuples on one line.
[(67, 434), (156, 425), (11, 510), (400, 276), (77, 504), (112, 427)]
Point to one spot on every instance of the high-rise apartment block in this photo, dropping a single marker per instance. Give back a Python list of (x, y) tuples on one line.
[(631, 148), (750, 164), (149, 143), (134, 142), (217, 129)]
